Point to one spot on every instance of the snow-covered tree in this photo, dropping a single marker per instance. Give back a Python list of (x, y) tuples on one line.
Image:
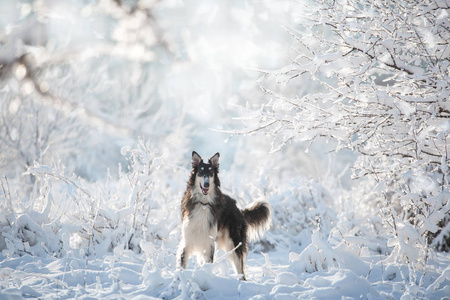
[(33, 132), (374, 76)]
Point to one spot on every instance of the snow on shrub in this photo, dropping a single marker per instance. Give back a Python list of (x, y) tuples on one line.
[(26, 228), (297, 209), (66, 213), (408, 245), (377, 85), (24, 236), (318, 256)]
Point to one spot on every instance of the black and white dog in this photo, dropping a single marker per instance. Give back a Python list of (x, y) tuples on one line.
[(208, 215)]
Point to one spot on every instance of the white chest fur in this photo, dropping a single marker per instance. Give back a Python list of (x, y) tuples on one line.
[(200, 229)]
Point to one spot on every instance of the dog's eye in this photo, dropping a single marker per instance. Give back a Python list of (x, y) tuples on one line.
[(210, 168), (202, 168)]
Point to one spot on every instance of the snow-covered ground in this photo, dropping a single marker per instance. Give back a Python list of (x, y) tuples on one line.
[(270, 276)]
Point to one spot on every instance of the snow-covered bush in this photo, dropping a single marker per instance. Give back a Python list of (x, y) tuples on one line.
[(25, 226), (318, 256), (137, 211), (151, 181), (33, 220), (373, 75), (298, 208)]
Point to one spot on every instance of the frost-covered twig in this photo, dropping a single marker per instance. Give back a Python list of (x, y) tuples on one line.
[(47, 171), (6, 192)]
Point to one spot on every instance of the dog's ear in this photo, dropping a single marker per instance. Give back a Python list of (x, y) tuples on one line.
[(214, 160), (196, 159)]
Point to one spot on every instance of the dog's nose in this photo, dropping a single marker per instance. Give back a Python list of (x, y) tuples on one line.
[(206, 181)]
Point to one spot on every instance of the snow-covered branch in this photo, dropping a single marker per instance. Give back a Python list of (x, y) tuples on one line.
[(374, 77)]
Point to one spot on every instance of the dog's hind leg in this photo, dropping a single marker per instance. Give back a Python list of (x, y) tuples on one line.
[(238, 251), (237, 261)]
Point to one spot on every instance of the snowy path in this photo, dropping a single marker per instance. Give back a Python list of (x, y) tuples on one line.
[(125, 275)]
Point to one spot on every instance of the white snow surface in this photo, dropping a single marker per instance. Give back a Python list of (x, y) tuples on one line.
[(124, 274)]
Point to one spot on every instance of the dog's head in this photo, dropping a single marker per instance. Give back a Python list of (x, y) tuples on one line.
[(204, 175)]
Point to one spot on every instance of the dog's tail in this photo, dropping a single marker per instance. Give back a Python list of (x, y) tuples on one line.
[(258, 219)]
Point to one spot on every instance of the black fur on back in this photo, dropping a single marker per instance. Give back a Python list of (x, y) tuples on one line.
[(233, 220)]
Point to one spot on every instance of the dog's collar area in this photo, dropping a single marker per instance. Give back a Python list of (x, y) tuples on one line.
[(204, 204)]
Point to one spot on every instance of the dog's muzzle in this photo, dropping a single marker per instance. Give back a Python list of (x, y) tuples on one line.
[(205, 187)]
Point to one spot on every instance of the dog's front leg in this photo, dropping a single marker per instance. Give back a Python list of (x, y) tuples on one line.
[(183, 256), (209, 255)]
